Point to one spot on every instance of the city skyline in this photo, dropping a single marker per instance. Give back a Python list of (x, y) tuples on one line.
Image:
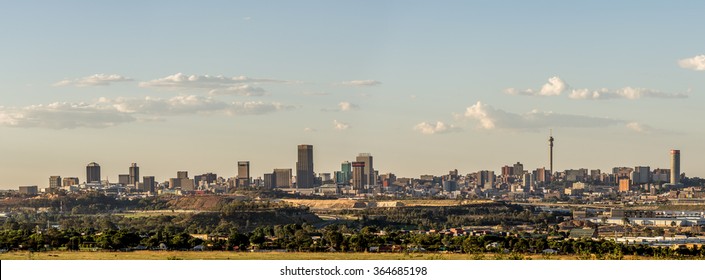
[(423, 87), (365, 173)]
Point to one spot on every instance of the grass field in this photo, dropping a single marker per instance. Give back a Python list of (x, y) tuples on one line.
[(222, 255)]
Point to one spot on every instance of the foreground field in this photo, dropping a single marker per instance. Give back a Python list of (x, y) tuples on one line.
[(222, 255)]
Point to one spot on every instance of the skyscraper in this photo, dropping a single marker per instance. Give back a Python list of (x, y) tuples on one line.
[(282, 178), (55, 182), (675, 167), (304, 167), (134, 174), (243, 173), (369, 171), (149, 184), (358, 175), (93, 173), (345, 174)]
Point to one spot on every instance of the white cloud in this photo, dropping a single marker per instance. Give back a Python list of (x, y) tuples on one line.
[(637, 127), (60, 115), (93, 80), (696, 63), (554, 86), (110, 112), (438, 128), (308, 129), (242, 90), (489, 117), (181, 81), (361, 83), (193, 104), (623, 93), (340, 125), (347, 106)]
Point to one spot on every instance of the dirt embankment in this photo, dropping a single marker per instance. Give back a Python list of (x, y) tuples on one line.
[(202, 202)]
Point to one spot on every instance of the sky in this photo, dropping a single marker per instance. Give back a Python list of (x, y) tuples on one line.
[(425, 87)]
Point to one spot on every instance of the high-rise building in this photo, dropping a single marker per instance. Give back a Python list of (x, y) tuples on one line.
[(641, 175), (134, 174), (243, 173), (282, 178), (359, 180), (518, 169), (124, 179), (205, 179), (149, 184), (304, 167), (507, 171), (182, 174), (55, 182), (93, 173), (345, 174), (369, 171), (484, 178), (675, 167), (70, 181), (269, 181)]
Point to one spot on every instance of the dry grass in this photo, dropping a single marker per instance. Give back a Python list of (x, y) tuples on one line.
[(221, 255)]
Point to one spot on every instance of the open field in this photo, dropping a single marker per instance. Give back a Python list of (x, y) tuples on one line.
[(222, 255)]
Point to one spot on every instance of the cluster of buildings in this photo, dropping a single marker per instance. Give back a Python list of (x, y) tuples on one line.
[(359, 178)]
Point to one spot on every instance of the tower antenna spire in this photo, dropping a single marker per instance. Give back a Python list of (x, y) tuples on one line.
[(550, 154)]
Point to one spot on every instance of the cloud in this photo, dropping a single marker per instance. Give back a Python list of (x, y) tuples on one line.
[(241, 90), (696, 63), (111, 112), (183, 81), (347, 106), (193, 104), (554, 86), (623, 93), (641, 128), (361, 83), (93, 80), (60, 115), (308, 129), (340, 125), (438, 128), (490, 118)]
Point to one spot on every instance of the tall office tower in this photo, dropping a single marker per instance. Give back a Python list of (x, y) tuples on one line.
[(343, 176), (124, 179), (182, 174), (282, 178), (541, 175), (304, 167), (358, 175), (518, 169), (527, 181), (369, 171), (507, 171), (55, 182), (93, 173), (675, 167), (269, 181), (134, 174), (641, 175), (150, 184), (550, 156), (70, 181), (243, 173)]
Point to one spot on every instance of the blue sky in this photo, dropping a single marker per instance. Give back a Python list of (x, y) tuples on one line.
[(424, 87)]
